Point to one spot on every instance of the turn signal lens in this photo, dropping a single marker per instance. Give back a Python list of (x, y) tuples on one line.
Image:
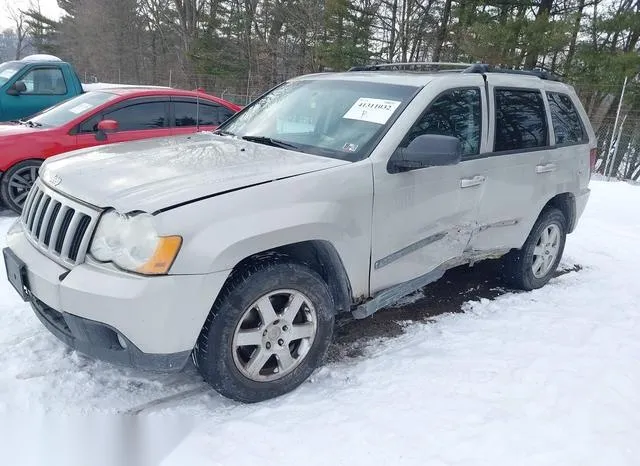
[(163, 257)]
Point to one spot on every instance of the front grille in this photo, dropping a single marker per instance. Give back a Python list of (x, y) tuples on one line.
[(57, 225)]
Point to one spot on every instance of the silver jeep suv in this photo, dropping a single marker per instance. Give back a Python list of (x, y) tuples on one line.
[(331, 193)]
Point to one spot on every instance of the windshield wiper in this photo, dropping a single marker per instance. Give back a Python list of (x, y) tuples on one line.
[(271, 142)]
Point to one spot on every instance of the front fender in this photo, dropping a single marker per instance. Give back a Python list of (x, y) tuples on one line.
[(333, 205)]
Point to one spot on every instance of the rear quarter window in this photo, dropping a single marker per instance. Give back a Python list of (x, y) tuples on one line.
[(567, 124)]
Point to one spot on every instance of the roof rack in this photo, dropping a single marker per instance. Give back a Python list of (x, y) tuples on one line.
[(485, 68), (480, 68), (410, 66)]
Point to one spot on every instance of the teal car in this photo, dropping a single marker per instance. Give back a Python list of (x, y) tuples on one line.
[(34, 83)]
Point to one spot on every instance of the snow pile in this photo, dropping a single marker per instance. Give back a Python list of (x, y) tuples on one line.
[(550, 377)]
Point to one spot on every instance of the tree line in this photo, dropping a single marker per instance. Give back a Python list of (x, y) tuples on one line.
[(240, 48)]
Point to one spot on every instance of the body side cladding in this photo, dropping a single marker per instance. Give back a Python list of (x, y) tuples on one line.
[(408, 250), (393, 294)]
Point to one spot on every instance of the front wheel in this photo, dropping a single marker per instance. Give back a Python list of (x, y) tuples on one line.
[(17, 182), (533, 265), (267, 332)]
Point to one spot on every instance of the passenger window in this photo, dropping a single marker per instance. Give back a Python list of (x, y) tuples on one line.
[(456, 113), (90, 125), (520, 120), (44, 81), (149, 115), (186, 112), (567, 124)]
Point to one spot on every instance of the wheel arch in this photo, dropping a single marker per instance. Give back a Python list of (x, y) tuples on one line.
[(565, 203), (319, 255)]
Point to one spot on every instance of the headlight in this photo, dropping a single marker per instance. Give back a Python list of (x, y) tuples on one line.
[(132, 243)]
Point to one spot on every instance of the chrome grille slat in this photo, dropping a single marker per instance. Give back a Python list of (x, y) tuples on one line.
[(28, 203), (37, 219), (70, 233), (58, 226), (45, 222), (51, 223), (34, 209)]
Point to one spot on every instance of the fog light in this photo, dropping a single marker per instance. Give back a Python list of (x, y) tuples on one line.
[(122, 341)]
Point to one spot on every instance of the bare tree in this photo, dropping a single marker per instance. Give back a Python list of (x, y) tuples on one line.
[(20, 26)]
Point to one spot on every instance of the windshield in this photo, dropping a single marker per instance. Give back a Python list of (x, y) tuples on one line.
[(335, 118), (8, 70), (71, 109)]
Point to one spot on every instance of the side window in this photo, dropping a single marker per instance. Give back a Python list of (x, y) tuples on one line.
[(44, 81), (520, 120), (90, 125), (456, 113), (186, 112), (148, 115), (567, 124), (224, 114)]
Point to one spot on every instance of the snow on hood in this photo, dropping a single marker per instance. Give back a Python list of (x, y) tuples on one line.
[(157, 173), (7, 129)]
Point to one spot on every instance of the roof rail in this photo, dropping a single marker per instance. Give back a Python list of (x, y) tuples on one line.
[(433, 65), (462, 67), (485, 68)]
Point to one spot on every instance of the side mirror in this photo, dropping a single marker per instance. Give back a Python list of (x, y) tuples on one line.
[(17, 88), (105, 127), (426, 150)]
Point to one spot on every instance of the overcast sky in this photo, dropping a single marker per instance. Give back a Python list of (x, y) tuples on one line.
[(48, 7)]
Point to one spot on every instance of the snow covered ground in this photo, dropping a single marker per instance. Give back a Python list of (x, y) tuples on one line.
[(550, 377)]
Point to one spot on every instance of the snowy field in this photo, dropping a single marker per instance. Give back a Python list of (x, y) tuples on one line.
[(550, 377)]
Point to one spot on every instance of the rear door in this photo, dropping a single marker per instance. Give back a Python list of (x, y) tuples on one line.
[(139, 118), (519, 167), (189, 114)]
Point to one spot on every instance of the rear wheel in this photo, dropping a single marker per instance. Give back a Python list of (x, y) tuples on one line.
[(534, 264), (17, 182), (268, 331)]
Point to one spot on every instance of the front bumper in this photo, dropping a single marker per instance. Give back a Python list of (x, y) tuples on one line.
[(104, 342), (157, 318)]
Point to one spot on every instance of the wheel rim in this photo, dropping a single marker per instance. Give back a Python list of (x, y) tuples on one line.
[(274, 335), (546, 250), (20, 184)]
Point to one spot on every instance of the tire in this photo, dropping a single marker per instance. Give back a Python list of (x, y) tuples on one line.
[(229, 366), (518, 265), (17, 182)]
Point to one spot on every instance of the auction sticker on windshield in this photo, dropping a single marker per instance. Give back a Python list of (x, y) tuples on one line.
[(372, 110), (80, 108)]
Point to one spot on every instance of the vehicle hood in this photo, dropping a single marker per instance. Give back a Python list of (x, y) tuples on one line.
[(8, 129), (155, 174)]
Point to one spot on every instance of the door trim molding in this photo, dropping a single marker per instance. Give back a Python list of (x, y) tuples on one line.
[(394, 256)]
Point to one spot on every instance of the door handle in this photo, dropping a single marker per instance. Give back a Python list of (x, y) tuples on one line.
[(550, 167), (469, 182)]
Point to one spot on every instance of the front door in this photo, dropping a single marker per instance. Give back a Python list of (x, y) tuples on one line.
[(141, 119), (46, 87), (424, 218)]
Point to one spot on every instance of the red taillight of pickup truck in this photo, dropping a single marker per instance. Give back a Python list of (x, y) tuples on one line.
[(593, 156)]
